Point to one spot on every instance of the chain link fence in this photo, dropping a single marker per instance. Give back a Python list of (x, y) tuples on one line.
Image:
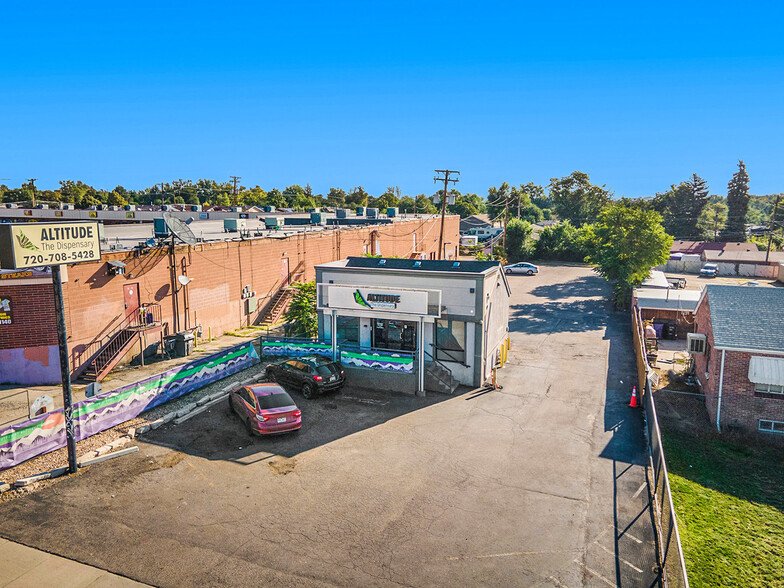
[(671, 562)]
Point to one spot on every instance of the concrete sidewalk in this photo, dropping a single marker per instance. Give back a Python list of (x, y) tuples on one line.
[(22, 566)]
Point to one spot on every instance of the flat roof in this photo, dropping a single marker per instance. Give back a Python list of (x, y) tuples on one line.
[(656, 279), (426, 265), (663, 299), (127, 236)]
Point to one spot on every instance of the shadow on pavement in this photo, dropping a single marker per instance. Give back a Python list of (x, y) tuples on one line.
[(635, 546), (583, 287), (218, 434)]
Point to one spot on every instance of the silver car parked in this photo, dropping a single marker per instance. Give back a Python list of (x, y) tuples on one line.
[(523, 267)]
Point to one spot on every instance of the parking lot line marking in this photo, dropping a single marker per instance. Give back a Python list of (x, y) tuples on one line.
[(626, 534), (636, 494), (620, 559), (594, 573), (508, 554)]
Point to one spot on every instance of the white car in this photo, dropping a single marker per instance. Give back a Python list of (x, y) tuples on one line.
[(528, 269)]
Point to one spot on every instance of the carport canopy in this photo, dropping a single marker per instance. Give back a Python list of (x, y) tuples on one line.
[(767, 370)]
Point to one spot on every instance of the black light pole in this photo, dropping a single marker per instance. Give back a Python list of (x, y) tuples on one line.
[(65, 371)]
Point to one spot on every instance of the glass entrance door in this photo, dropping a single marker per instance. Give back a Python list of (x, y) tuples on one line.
[(394, 334)]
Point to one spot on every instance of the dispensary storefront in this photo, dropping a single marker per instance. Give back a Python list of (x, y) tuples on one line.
[(444, 322)]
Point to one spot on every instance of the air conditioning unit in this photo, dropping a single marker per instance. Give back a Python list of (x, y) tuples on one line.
[(697, 343)]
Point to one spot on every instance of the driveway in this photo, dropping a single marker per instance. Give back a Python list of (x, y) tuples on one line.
[(541, 483)]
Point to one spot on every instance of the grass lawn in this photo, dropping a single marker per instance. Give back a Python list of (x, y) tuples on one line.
[(730, 503)]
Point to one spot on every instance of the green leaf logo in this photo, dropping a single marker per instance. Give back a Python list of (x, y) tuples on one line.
[(360, 300), (25, 243)]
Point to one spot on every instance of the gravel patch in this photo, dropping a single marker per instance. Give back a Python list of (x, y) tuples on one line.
[(59, 458)]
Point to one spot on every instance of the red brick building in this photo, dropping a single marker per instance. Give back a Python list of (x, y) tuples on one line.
[(231, 284), (738, 348)]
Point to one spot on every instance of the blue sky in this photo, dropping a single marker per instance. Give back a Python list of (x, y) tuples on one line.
[(347, 93)]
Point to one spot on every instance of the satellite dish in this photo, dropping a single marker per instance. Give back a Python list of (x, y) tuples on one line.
[(184, 280), (179, 229)]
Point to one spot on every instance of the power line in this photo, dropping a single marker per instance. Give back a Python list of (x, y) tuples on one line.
[(446, 179)]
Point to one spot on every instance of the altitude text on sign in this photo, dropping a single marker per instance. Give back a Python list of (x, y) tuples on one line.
[(36, 244)]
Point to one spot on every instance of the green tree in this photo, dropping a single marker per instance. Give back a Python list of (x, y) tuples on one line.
[(276, 199), (576, 199), (424, 205), (301, 314), (518, 240), (681, 207), (467, 205), (336, 198), (116, 199), (738, 205), (407, 204), (628, 242), (564, 242), (712, 220), (497, 197), (357, 197)]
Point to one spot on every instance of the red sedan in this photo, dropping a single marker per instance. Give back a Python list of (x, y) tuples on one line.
[(265, 409)]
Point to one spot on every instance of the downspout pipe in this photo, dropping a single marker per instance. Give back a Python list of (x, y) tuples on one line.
[(721, 385)]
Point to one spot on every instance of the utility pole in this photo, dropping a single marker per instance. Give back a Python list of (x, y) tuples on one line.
[(234, 180), (772, 226), (32, 183), (446, 179), (519, 199), (506, 216)]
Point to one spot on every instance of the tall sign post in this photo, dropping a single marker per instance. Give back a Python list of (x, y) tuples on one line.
[(27, 245)]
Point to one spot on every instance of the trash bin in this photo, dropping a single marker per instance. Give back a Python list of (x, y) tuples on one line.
[(183, 343)]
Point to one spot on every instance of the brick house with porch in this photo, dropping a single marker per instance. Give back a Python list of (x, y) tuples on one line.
[(738, 350)]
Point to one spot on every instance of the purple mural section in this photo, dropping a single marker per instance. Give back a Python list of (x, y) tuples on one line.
[(47, 432), (31, 366)]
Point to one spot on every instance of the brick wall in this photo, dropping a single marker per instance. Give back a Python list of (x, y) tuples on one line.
[(32, 307), (740, 407), (219, 272)]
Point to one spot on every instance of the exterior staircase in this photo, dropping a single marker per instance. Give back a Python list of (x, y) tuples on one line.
[(276, 307), (119, 342), (439, 379)]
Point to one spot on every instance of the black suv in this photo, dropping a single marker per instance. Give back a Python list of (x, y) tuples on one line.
[(312, 374)]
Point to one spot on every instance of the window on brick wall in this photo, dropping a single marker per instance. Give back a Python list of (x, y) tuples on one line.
[(771, 426), (768, 389)]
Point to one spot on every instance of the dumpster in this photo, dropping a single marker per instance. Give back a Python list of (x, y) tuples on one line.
[(183, 343)]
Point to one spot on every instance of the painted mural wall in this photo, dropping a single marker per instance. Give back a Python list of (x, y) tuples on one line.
[(47, 432)]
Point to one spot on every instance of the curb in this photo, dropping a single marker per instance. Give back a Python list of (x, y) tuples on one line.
[(83, 463), (21, 482)]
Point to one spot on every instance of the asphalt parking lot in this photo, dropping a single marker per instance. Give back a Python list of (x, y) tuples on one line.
[(541, 483)]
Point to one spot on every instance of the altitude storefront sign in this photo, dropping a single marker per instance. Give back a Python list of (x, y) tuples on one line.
[(27, 245), (370, 298)]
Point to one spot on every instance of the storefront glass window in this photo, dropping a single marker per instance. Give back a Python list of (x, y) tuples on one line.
[(348, 329), (450, 341), (393, 334)]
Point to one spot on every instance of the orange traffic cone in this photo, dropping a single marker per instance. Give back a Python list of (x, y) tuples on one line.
[(633, 402)]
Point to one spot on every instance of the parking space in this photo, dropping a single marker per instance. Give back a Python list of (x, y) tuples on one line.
[(541, 483)]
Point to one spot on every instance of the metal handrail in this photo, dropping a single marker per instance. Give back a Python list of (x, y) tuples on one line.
[(134, 319)]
